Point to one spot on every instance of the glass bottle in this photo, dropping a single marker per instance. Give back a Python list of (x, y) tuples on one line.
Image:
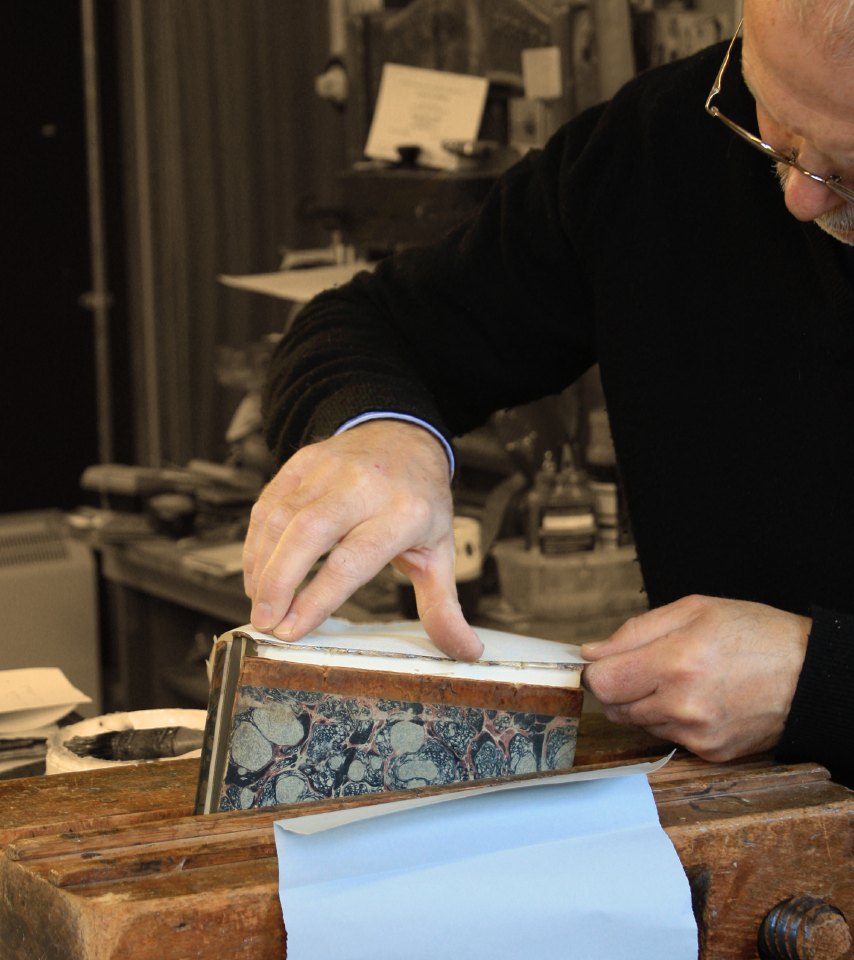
[(568, 518), (537, 497)]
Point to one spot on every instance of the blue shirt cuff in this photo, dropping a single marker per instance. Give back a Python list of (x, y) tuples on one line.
[(407, 418)]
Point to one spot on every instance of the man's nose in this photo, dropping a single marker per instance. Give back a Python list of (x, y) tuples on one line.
[(807, 199)]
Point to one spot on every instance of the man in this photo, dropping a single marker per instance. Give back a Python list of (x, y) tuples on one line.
[(651, 236)]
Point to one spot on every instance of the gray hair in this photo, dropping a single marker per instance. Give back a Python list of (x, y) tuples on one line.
[(831, 22)]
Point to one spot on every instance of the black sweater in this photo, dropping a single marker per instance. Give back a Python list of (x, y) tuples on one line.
[(648, 238)]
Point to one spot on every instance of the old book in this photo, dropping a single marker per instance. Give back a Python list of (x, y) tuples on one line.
[(360, 708)]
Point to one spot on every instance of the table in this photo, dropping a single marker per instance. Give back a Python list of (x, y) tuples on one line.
[(112, 864)]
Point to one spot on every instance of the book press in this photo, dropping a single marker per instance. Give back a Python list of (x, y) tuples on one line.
[(358, 793)]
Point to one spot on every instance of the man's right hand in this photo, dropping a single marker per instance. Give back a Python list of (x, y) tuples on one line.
[(375, 494)]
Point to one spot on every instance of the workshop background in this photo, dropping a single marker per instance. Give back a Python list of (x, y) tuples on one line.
[(153, 147)]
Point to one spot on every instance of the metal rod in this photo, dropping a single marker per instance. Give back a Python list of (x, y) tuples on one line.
[(148, 319), (98, 300)]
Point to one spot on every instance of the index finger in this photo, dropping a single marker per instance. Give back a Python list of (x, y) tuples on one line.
[(439, 610), (310, 532)]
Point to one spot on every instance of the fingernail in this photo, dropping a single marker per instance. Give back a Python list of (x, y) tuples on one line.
[(285, 629), (262, 616), (471, 653), (587, 649)]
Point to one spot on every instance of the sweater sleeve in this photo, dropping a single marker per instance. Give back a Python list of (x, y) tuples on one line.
[(496, 314), (820, 726)]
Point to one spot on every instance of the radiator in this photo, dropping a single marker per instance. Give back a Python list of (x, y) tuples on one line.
[(48, 601)]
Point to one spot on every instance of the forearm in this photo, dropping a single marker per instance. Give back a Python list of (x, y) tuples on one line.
[(496, 314), (339, 361), (820, 726)]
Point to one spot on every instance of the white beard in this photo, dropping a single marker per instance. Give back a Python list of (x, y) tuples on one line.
[(837, 223)]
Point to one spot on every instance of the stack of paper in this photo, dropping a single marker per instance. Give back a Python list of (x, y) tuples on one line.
[(32, 701), (221, 560)]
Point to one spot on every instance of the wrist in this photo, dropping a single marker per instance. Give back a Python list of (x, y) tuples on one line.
[(407, 420)]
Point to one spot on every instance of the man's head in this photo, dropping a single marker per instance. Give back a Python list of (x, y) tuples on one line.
[(798, 61)]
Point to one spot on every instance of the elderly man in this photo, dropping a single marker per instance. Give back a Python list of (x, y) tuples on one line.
[(650, 236)]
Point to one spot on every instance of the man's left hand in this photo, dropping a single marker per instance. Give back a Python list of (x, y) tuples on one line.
[(716, 676)]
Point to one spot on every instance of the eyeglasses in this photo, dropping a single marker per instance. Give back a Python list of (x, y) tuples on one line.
[(832, 183)]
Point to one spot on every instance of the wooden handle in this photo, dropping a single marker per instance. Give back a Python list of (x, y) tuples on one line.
[(804, 928)]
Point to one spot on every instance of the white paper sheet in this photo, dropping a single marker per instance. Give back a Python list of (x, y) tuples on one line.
[(573, 870), (336, 818), (402, 646), (298, 286), (34, 697)]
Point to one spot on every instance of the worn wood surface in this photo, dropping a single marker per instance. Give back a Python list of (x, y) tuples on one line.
[(110, 865), (752, 834)]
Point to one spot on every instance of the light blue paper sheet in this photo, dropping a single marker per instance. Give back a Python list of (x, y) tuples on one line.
[(570, 870)]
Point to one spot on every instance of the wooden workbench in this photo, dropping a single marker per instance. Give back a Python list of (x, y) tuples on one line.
[(111, 865)]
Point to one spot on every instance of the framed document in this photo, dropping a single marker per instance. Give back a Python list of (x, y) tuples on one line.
[(422, 108)]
